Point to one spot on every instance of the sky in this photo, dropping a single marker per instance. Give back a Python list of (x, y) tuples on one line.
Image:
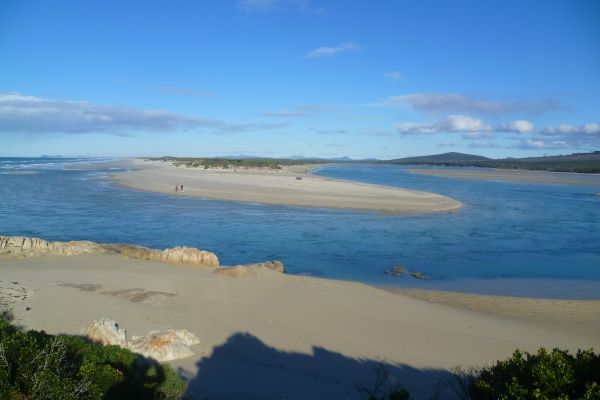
[(279, 78)]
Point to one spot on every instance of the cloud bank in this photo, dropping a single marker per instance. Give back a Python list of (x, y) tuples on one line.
[(529, 136), (29, 114), (463, 103)]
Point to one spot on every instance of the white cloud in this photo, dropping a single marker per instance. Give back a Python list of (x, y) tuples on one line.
[(29, 114), (395, 75), (452, 123), (331, 51), (462, 103), (567, 129), (519, 126), (540, 144)]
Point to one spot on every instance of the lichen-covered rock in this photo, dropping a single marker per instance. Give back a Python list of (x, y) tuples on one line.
[(166, 345), (105, 331), (19, 246), (274, 265), (248, 270)]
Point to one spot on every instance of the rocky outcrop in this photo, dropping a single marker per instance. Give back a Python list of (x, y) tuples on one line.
[(171, 344), (175, 255), (400, 271), (19, 246), (274, 265), (166, 345), (248, 270), (105, 331)]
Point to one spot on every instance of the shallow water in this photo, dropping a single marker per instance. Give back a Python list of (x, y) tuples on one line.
[(521, 231)]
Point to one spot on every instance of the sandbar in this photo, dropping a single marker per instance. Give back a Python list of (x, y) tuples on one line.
[(283, 336), (561, 178), (280, 187)]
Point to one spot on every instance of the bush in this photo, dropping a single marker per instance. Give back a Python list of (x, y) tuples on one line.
[(545, 375), (35, 365)]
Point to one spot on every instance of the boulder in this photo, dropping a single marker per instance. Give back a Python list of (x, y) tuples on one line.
[(166, 345), (274, 265), (396, 270), (105, 331)]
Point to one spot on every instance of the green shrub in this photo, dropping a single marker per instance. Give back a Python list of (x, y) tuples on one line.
[(545, 375), (35, 365)]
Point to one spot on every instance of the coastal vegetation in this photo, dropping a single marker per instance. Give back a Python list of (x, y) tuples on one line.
[(578, 162), (555, 374), (36, 365), (230, 163)]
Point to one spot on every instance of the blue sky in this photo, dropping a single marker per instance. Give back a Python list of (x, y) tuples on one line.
[(278, 78)]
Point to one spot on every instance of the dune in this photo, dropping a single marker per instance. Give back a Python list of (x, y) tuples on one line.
[(281, 188), (272, 335)]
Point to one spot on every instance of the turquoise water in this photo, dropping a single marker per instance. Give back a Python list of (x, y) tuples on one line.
[(511, 237)]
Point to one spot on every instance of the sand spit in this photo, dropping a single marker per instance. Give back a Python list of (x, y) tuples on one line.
[(283, 336), (280, 187), (560, 178)]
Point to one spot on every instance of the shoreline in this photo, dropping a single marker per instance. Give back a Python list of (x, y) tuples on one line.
[(288, 327), (281, 188), (549, 177)]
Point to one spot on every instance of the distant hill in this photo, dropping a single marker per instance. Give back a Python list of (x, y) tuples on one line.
[(593, 156), (577, 162), (451, 157)]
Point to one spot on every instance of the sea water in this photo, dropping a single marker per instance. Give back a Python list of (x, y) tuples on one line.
[(516, 238)]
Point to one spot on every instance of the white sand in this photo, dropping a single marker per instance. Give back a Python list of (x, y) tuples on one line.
[(281, 336), (281, 187)]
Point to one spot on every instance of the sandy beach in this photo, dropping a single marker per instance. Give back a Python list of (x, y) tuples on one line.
[(283, 336), (280, 187), (560, 178)]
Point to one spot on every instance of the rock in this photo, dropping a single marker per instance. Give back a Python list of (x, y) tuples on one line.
[(274, 265), (176, 255), (418, 275), (396, 270), (238, 271), (19, 246), (164, 345), (247, 270), (105, 331), (399, 268), (167, 345)]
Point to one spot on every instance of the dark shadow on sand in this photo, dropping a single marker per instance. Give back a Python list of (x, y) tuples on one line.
[(246, 368)]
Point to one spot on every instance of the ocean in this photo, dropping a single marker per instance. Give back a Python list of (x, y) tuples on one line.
[(515, 238)]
